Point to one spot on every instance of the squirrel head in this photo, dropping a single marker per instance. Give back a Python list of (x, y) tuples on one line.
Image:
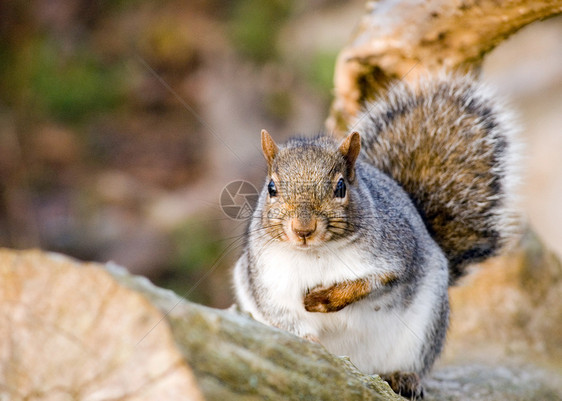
[(309, 189)]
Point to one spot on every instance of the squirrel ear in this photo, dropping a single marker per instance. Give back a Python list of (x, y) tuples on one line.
[(268, 146), (350, 148)]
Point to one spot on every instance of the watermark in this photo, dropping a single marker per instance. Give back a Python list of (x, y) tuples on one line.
[(238, 200)]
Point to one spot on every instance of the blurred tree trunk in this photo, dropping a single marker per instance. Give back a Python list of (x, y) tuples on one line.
[(408, 38)]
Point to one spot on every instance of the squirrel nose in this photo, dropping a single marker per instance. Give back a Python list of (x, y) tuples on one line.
[(303, 229)]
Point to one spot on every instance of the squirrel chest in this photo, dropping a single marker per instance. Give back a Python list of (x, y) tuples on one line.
[(286, 274), (379, 332)]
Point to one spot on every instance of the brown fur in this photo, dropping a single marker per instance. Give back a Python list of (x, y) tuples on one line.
[(269, 147), (350, 148)]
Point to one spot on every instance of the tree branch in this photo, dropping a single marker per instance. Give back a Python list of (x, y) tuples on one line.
[(403, 39)]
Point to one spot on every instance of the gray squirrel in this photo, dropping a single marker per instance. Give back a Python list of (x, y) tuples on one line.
[(354, 244)]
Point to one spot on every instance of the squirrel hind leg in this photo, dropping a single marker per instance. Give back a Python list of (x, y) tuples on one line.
[(405, 384)]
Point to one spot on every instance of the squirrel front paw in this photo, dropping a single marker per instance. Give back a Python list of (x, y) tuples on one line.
[(320, 299), (338, 296)]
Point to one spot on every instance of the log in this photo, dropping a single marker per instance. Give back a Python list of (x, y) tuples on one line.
[(85, 331), (72, 332)]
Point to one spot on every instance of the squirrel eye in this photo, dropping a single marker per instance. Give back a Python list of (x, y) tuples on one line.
[(272, 189), (339, 192)]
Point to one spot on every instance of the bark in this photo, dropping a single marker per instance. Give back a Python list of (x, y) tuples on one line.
[(78, 331)]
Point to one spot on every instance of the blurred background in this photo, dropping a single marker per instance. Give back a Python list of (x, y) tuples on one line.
[(122, 121)]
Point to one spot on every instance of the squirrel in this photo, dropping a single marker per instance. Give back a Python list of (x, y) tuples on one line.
[(354, 244)]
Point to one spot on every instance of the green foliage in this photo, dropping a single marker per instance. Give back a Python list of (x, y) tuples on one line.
[(255, 25), (196, 245), (75, 87), (279, 105), (122, 5), (196, 250), (6, 59), (320, 72), (70, 87)]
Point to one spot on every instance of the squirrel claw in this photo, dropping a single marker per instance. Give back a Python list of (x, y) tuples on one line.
[(406, 384)]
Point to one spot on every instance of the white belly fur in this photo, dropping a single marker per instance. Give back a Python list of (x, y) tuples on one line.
[(377, 341)]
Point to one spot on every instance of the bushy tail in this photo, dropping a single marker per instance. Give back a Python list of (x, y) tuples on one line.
[(451, 146)]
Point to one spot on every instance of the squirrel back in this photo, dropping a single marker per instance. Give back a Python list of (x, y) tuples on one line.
[(449, 143)]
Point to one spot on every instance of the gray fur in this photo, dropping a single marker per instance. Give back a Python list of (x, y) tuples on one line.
[(385, 229)]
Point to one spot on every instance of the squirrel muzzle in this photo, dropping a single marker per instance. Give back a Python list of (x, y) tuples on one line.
[(302, 231)]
